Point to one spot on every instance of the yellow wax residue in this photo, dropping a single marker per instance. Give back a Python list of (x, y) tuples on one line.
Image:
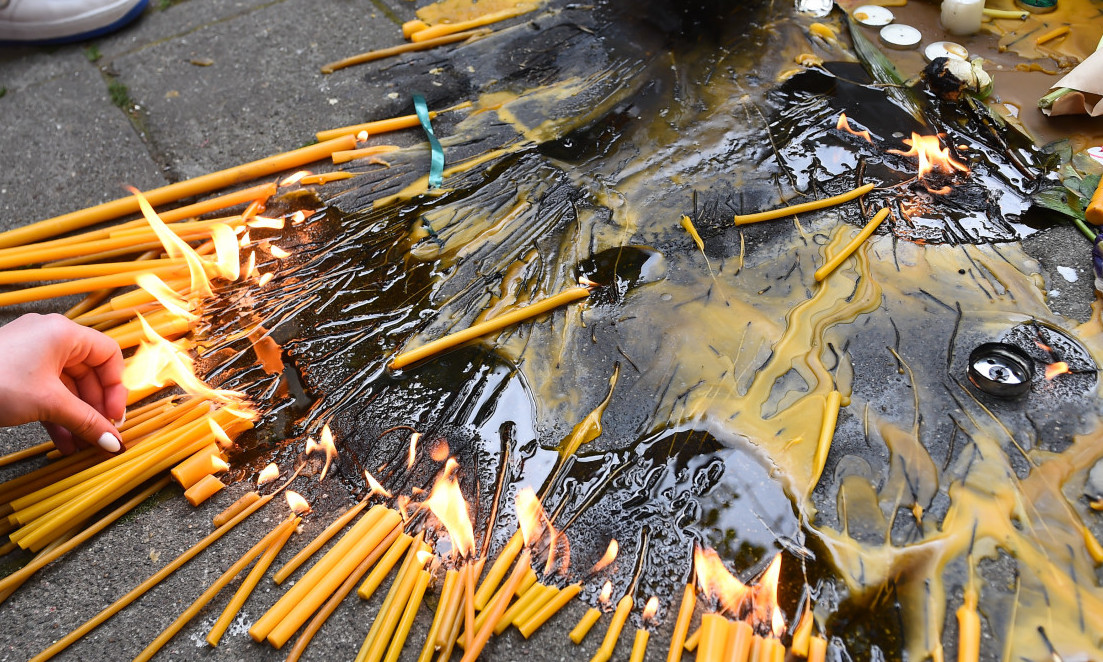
[(456, 11)]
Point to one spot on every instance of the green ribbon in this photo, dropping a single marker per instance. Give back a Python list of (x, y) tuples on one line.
[(436, 164)]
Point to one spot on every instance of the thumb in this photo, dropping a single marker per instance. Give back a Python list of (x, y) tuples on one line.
[(80, 418)]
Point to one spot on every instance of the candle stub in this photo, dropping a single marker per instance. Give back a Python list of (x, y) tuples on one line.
[(873, 15), (962, 17), (945, 49), (900, 36)]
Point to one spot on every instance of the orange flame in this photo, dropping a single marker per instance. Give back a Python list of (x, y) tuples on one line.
[(266, 223), (764, 596), (324, 444), (220, 435), (158, 362), (844, 125), (777, 624), (250, 267), (715, 580), (362, 136), (423, 557), (264, 279), (227, 255), (401, 503), (166, 296), (650, 609), (530, 516), (609, 556), (439, 451), (268, 474), (1058, 368), (374, 486), (297, 503), (931, 154), (176, 247), (298, 217), (278, 252), (606, 593), (412, 455), (447, 503), (294, 178)]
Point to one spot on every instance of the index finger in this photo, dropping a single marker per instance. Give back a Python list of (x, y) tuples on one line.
[(102, 355)]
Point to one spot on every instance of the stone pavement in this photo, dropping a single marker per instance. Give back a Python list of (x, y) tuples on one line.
[(195, 86)]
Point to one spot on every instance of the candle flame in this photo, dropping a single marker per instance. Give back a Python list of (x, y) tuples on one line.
[(423, 557), (446, 502), (157, 362), (278, 252), (931, 155), (220, 435), (1058, 368), (401, 504), (166, 296), (844, 125), (586, 282), (609, 556), (650, 609), (606, 593), (298, 217), (175, 247), (412, 455), (777, 624), (245, 239), (362, 136), (294, 178), (267, 223), (439, 451), (268, 474), (531, 518), (764, 595), (714, 580), (297, 503), (325, 445), (227, 254), (375, 487), (264, 279), (250, 265)]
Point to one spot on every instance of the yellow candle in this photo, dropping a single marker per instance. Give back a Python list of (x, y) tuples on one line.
[(782, 212), (524, 600), (398, 640), (498, 607), (817, 649), (205, 488), (527, 580), (372, 128), (172, 192), (328, 583), (236, 507), (339, 595), (442, 29), (207, 461), (325, 178), (714, 637), (758, 646), (688, 226), (26, 453), (81, 271), (639, 646), (55, 290), (450, 610), (620, 615), (375, 644), (266, 623), (546, 595), (852, 245), (968, 625), (347, 155), (584, 625), (827, 433), (385, 565), (681, 626), (341, 522), (19, 576), (381, 53), (693, 639), (489, 326), (498, 570), (141, 589), (1094, 212), (248, 584), (1006, 13), (410, 27), (801, 635), (450, 578), (472, 571), (738, 646), (183, 619), (1045, 37), (549, 609)]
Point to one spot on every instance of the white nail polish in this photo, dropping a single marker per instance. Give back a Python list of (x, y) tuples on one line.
[(121, 420), (109, 443)]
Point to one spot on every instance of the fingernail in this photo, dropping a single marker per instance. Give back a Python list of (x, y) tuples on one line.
[(121, 420), (109, 443)]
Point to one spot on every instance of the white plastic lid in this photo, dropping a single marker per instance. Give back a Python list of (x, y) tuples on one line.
[(873, 15), (945, 49), (900, 36)]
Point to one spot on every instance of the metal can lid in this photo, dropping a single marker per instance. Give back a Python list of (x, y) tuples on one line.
[(1037, 6), (873, 15), (900, 36), (945, 49)]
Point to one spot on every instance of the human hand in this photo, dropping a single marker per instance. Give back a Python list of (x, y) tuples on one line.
[(65, 375)]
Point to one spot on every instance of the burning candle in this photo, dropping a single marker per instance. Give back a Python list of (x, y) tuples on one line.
[(375, 644), (968, 625), (524, 600), (291, 566), (681, 626), (639, 644), (207, 461), (446, 597), (298, 593), (609, 643), (962, 17), (852, 245), (325, 178), (142, 588), (408, 615), (817, 649), (498, 570), (385, 565), (498, 607), (183, 619), (204, 489), (738, 646), (714, 636), (792, 210), (248, 584), (827, 432), (545, 595), (372, 128), (381, 53), (488, 326), (172, 192), (442, 29), (549, 609)]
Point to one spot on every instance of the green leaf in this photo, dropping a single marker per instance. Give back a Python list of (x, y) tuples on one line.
[(1060, 200)]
